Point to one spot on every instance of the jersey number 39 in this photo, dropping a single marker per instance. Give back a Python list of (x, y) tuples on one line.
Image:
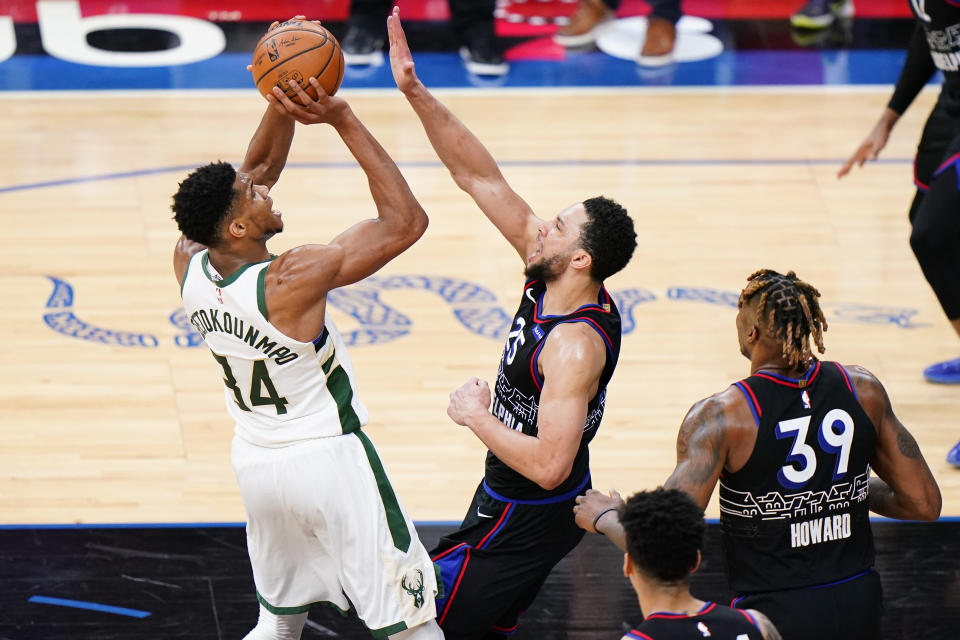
[(835, 436)]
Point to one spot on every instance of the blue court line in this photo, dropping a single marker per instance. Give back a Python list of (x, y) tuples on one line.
[(638, 162), (237, 525), (92, 606)]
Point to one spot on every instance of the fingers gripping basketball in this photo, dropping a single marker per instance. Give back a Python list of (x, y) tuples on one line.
[(297, 50)]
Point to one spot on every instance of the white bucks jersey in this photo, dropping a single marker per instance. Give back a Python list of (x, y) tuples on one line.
[(278, 390)]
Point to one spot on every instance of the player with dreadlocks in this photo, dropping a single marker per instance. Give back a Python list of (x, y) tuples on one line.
[(792, 446)]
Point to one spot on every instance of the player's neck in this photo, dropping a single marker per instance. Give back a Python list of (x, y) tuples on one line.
[(227, 260), (767, 356), (657, 598), (568, 293)]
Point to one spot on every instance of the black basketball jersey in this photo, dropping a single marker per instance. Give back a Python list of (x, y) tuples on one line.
[(712, 621), (516, 397), (941, 24), (796, 514)]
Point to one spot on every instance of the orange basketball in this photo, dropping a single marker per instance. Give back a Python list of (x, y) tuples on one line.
[(298, 50)]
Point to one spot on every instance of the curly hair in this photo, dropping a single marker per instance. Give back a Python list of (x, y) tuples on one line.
[(664, 531), (203, 200), (608, 236), (792, 312)]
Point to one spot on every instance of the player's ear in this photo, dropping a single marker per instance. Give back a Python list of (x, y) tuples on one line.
[(627, 565), (237, 228), (581, 260), (696, 566)]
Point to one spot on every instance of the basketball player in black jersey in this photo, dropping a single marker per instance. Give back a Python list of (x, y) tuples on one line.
[(935, 237), (792, 447), (664, 530), (550, 390)]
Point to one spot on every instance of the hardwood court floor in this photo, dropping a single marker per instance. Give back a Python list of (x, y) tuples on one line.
[(720, 183)]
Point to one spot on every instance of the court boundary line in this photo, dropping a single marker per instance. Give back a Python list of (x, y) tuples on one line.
[(436, 164), (380, 92), (237, 525)]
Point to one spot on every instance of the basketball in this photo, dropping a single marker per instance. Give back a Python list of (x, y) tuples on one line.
[(297, 50)]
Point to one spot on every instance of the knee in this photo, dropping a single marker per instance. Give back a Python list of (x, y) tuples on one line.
[(930, 242)]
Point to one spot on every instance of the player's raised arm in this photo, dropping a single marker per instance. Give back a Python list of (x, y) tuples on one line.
[(302, 276), (470, 164), (267, 152), (906, 488)]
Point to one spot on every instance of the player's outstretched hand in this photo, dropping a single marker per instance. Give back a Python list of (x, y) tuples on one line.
[(873, 144), (592, 504), (328, 109), (401, 60), (471, 399)]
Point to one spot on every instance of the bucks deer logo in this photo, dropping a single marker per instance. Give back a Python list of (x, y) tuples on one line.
[(416, 590)]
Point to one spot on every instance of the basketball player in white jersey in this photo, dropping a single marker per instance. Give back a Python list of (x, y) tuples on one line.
[(323, 523)]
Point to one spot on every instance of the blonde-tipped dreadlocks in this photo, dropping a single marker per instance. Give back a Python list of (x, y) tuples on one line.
[(792, 311)]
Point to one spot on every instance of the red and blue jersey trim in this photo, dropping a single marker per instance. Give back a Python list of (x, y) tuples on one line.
[(669, 615), (746, 614), (604, 298), (807, 379), (846, 378), (954, 160), (456, 585), (497, 528), (916, 180), (569, 495), (633, 633), (534, 372), (751, 400)]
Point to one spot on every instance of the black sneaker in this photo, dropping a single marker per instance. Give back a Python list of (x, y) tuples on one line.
[(481, 56), (820, 14), (362, 46)]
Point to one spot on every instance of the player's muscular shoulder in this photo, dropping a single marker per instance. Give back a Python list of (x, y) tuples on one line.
[(302, 274), (573, 352), (719, 425), (184, 250), (873, 397), (574, 344)]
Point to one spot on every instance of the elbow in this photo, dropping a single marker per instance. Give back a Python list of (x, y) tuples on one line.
[(933, 506), (552, 477), (419, 225)]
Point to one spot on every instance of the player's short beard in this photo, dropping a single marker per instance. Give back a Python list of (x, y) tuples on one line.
[(546, 269)]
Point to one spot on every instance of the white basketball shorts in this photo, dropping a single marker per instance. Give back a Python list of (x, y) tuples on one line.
[(324, 525)]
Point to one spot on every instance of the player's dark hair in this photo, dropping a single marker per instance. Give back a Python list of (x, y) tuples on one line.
[(791, 310), (608, 237), (664, 530), (201, 203)]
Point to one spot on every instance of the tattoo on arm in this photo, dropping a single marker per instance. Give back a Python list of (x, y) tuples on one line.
[(907, 444), (700, 446)]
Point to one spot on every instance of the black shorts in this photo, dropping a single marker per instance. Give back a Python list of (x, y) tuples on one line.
[(493, 566), (849, 609), (940, 139)]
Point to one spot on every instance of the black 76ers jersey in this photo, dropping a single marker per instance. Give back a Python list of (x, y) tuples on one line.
[(796, 514), (712, 621), (516, 396), (941, 23)]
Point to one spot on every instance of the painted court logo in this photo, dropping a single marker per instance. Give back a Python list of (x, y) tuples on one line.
[(473, 306), (416, 590)]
